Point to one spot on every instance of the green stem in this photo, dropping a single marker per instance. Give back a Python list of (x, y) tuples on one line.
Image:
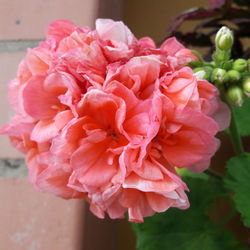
[(235, 136), (213, 174)]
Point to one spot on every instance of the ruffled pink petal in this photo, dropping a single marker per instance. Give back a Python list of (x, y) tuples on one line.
[(147, 42), (45, 103), (139, 73), (46, 130), (59, 29), (97, 211), (15, 96), (181, 88), (204, 163), (171, 46), (23, 72), (137, 205), (38, 60), (55, 181), (107, 109), (108, 29), (91, 164), (158, 202), (222, 116), (19, 130), (159, 186), (194, 140)]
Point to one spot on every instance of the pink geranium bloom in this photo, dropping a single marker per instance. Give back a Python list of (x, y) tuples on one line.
[(108, 118)]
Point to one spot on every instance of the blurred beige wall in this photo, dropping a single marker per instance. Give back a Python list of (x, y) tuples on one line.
[(153, 17)]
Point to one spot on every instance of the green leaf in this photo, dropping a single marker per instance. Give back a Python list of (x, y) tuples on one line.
[(237, 180), (242, 117), (189, 229)]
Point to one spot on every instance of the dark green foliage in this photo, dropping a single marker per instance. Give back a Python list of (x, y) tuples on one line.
[(237, 180), (242, 117), (189, 229)]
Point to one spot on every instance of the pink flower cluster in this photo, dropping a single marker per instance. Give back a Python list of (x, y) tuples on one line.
[(106, 117)]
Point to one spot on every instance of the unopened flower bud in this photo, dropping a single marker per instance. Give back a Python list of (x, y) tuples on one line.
[(224, 39), (233, 75), (221, 55), (203, 72), (200, 74), (235, 95), (228, 65), (240, 65), (219, 76), (246, 86)]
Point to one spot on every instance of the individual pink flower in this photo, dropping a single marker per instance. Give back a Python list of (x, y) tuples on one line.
[(48, 175), (181, 88), (81, 54), (211, 104), (55, 96), (37, 62), (19, 130), (187, 137)]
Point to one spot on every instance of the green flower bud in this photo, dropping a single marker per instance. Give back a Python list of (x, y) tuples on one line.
[(240, 65), (228, 65), (199, 73), (197, 69), (233, 75), (224, 39), (246, 86), (221, 55), (235, 95), (219, 76), (248, 63), (203, 72)]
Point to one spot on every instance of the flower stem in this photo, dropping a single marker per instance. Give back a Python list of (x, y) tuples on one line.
[(235, 136), (213, 174)]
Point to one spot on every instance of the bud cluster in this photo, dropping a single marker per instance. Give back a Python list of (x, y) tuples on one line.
[(232, 77)]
